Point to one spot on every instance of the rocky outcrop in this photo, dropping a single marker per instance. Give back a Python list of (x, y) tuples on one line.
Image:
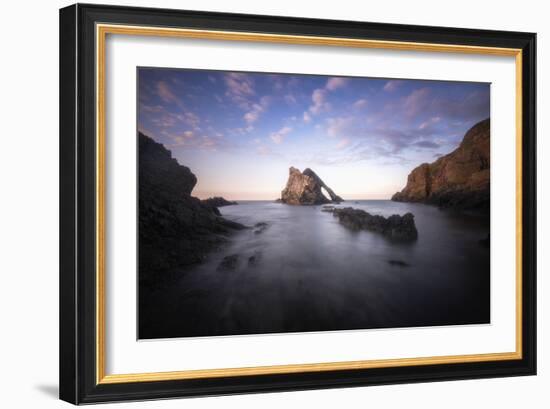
[(306, 189), (176, 229), (218, 201), (460, 179), (395, 227)]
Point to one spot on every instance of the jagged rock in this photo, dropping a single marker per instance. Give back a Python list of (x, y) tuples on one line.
[(333, 196), (218, 201), (306, 189), (460, 179), (395, 227), (176, 230)]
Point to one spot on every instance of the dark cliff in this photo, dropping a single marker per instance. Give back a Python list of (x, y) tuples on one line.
[(176, 229), (460, 179)]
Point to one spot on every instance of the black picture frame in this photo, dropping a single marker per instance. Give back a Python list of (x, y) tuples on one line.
[(78, 313)]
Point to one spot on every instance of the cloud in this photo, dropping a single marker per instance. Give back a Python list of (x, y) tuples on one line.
[(474, 107), (320, 104), (189, 119), (334, 83), (256, 110), (239, 88), (263, 151), (360, 103), (392, 85), (165, 120), (319, 95), (307, 117), (196, 140), (429, 122), (417, 102), (426, 144), (151, 108), (279, 136), (165, 93), (290, 99), (339, 125), (343, 143)]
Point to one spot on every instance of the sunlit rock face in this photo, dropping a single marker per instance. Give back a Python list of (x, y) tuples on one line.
[(460, 179), (306, 189)]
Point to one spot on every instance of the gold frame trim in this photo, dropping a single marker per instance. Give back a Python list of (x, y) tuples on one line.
[(101, 33)]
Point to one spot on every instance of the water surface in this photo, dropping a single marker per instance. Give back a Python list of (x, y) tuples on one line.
[(310, 273)]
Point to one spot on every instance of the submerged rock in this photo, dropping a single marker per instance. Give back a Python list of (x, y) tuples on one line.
[(260, 227), (306, 189), (398, 263), (229, 262), (255, 258), (395, 227), (460, 179)]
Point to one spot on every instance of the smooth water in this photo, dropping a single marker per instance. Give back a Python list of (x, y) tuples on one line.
[(310, 273)]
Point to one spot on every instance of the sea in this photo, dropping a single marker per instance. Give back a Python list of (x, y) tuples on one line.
[(300, 270)]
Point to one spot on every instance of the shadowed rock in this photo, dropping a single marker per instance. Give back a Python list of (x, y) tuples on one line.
[(306, 189), (218, 201), (460, 179), (395, 227), (176, 230)]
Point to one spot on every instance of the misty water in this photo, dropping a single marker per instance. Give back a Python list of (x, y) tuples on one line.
[(307, 272)]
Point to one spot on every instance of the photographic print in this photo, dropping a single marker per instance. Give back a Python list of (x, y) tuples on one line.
[(277, 203)]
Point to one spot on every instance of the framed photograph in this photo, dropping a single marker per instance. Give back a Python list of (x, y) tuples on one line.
[(257, 203)]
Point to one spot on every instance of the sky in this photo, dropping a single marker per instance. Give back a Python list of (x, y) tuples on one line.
[(239, 132)]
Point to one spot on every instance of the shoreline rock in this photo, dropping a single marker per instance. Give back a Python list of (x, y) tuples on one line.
[(218, 201), (305, 188), (176, 230), (459, 180), (395, 227)]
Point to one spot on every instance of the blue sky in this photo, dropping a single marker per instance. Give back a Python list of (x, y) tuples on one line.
[(239, 132)]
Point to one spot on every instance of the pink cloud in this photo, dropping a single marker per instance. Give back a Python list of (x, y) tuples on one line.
[(335, 83), (166, 94), (343, 143), (319, 96), (279, 136), (190, 119), (256, 110), (240, 88), (320, 104), (360, 103), (337, 126), (392, 85)]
